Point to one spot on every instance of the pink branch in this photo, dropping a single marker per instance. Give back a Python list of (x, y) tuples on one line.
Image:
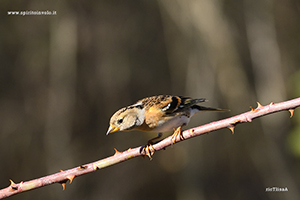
[(63, 176)]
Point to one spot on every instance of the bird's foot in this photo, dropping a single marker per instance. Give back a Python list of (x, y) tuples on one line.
[(148, 149), (177, 133)]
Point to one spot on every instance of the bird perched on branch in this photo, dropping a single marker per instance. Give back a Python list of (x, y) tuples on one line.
[(160, 114)]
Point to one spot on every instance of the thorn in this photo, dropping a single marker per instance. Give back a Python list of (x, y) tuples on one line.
[(191, 131), (235, 122), (11, 182), (82, 167), (70, 178), (95, 167), (129, 150), (61, 170), (248, 119), (231, 128), (116, 152), (12, 187), (291, 112), (63, 183), (63, 186), (253, 109), (271, 104), (258, 105)]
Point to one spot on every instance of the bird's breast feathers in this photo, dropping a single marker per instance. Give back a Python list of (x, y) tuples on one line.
[(157, 121)]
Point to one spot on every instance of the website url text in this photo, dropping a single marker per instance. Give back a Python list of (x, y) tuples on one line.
[(31, 12)]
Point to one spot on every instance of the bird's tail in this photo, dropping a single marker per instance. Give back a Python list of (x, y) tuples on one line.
[(202, 108)]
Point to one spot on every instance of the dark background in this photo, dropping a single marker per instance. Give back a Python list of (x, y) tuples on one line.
[(63, 76)]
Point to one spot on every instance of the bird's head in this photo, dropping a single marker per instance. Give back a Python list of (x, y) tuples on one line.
[(126, 119)]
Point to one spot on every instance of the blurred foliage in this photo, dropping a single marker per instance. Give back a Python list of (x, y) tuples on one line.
[(63, 76)]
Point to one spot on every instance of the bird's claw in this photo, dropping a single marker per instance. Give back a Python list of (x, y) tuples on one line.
[(177, 133), (148, 150)]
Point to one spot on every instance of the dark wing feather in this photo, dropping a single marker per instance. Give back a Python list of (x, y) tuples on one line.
[(180, 102), (187, 102)]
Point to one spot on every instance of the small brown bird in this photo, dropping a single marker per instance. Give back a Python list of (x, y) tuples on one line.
[(160, 114)]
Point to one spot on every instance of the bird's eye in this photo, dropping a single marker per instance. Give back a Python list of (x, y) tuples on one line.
[(120, 121)]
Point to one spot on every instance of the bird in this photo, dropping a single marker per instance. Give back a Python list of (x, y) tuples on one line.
[(160, 113)]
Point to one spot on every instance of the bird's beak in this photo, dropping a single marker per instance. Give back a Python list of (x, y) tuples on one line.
[(112, 129)]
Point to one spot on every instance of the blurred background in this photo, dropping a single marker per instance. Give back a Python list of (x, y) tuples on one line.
[(63, 76)]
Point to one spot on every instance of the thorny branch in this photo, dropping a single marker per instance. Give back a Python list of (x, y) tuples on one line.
[(63, 176)]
